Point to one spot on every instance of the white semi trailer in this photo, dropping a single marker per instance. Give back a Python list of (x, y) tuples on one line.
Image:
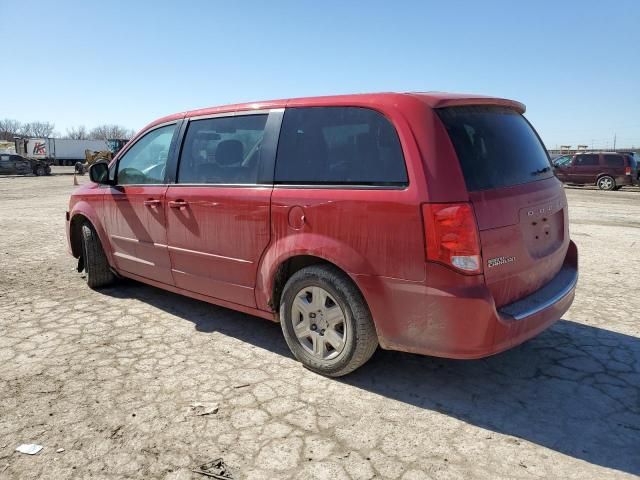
[(58, 151)]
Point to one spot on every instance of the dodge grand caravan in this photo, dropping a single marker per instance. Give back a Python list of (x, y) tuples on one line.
[(430, 223)]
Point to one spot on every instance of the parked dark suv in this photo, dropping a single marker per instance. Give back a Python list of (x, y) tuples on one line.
[(429, 223), (607, 170)]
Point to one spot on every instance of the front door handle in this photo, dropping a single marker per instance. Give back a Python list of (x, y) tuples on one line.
[(181, 204), (152, 203)]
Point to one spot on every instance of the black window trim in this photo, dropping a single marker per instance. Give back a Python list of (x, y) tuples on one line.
[(172, 147), (349, 185), (267, 158)]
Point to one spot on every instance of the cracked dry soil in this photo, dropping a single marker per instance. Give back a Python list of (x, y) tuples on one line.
[(111, 377)]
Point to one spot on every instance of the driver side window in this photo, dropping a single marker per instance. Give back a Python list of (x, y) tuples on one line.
[(145, 162), (222, 150)]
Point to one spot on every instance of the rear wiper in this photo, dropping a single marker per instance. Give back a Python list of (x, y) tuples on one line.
[(541, 171)]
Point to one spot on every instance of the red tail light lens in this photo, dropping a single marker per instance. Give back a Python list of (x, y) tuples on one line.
[(452, 236), (627, 171)]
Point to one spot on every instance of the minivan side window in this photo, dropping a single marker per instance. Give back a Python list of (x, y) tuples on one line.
[(146, 160), (222, 150), (339, 146), (586, 159), (614, 160)]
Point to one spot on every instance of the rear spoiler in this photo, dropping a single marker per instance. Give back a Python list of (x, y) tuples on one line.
[(444, 100), (496, 102)]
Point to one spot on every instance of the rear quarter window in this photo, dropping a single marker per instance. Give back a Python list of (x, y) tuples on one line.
[(338, 146), (496, 147), (614, 160)]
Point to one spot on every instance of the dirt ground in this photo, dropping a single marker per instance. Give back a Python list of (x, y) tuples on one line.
[(111, 376)]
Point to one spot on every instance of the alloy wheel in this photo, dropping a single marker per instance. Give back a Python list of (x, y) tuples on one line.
[(606, 183)]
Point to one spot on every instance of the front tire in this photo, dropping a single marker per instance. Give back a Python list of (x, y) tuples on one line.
[(96, 267), (326, 322), (39, 171), (606, 183)]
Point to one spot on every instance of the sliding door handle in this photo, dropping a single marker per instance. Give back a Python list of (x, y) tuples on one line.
[(181, 204)]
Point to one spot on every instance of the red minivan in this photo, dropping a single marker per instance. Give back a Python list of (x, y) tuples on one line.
[(423, 222)]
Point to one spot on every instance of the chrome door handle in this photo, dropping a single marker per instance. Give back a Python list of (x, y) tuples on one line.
[(152, 203), (178, 204)]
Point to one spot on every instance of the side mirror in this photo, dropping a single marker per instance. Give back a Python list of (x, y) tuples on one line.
[(99, 173)]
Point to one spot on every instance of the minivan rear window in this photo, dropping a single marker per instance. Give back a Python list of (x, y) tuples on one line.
[(496, 146)]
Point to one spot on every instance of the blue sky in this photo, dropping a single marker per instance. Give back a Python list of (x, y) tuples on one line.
[(575, 64)]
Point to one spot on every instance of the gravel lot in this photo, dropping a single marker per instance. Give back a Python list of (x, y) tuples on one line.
[(111, 376)]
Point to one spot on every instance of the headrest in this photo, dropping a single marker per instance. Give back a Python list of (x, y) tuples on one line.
[(229, 152)]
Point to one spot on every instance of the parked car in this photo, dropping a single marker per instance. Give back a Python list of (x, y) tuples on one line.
[(607, 170), (12, 164), (427, 223)]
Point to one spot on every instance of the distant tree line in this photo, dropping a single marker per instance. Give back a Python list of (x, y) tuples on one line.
[(101, 132), (10, 128), (13, 128)]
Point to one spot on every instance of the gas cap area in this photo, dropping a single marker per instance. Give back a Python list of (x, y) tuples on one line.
[(296, 217)]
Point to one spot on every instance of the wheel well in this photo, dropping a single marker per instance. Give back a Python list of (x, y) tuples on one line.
[(75, 234), (288, 268)]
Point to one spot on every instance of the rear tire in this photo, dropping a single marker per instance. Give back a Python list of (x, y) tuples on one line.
[(322, 298), (606, 182), (96, 266)]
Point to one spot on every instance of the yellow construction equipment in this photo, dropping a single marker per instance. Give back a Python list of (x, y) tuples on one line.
[(91, 157)]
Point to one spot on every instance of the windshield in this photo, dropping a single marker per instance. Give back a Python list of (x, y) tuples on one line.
[(496, 147), (561, 161)]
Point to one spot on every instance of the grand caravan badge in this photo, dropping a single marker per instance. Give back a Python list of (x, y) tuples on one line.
[(496, 262)]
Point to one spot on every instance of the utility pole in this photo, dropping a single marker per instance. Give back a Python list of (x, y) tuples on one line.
[(614, 142)]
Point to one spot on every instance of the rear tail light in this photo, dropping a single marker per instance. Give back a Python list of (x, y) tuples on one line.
[(452, 237), (627, 171)]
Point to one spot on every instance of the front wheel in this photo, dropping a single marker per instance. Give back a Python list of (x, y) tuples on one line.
[(40, 171), (326, 321), (96, 266), (606, 183)]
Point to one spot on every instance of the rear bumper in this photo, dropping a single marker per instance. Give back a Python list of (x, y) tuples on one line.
[(623, 180), (454, 316)]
